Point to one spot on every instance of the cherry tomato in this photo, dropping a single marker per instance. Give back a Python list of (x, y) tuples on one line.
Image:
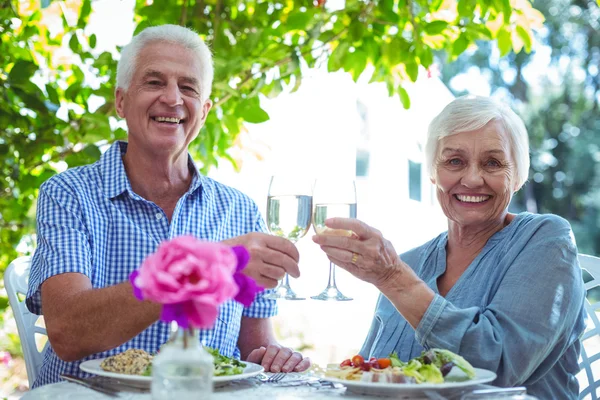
[(365, 366), (346, 363), (357, 360), (384, 362)]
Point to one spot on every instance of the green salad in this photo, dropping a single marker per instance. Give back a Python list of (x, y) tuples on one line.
[(224, 366), (432, 365)]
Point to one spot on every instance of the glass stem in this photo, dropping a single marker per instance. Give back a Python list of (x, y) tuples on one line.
[(331, 282), (286, 281)]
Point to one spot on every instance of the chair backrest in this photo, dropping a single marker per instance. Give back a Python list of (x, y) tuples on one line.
[(15, 281), (589, 362)]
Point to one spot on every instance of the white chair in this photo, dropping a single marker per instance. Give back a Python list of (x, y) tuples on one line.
[(589, 362), (15, 281)]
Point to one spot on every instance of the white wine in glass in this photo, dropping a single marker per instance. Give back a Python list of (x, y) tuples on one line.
[(333, 198), (289, 209)]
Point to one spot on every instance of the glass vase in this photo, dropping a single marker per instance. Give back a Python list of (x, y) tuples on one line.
[(182, 369)]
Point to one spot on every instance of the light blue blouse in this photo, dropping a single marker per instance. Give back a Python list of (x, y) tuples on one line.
[(517, 310)]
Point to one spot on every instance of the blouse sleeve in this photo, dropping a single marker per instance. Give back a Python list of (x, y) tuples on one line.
[(533, 317)]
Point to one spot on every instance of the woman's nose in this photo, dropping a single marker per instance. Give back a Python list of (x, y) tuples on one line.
[(472, 177)]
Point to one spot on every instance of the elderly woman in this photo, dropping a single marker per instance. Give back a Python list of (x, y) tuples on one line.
[(503, 290)]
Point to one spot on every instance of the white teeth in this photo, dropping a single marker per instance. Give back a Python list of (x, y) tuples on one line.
[(167, 119), (472, 199)]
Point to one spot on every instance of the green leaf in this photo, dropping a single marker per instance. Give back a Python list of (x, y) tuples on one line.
[(22, 71), (412, 69), (425, 56), (524, 35), (435, 27), (507, 11), (355, 63), (504, 42), (460, 45), (74, 43), (435, 4), (466, 8), (93, 151), (357, 29), (336, 58), (404, 97), (84, 13), (232, 124), (92, 41), (52, 94), (250, 111), (386, 12), (298, 21)]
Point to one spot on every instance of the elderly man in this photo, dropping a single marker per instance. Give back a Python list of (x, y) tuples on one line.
[(97, 223)]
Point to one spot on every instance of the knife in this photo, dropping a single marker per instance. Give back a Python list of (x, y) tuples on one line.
[(91, 385)]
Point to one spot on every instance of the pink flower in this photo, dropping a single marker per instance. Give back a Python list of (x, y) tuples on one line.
[(191, 278), (5, 358)]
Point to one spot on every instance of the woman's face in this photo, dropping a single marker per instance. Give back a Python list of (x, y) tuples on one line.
[(475, 175)]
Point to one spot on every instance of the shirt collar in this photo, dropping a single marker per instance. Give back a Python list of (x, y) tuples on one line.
[(115, 180)]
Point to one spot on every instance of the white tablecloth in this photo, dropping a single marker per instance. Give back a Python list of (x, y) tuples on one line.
[(241, 390)]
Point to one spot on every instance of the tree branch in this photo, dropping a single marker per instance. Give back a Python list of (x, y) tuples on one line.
[(250, 75)]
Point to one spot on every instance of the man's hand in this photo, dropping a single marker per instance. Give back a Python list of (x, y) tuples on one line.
[(270, 257), (275, 358)]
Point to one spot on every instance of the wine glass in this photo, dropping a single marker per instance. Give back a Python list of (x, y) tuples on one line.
[(289, 209), (333, 198)]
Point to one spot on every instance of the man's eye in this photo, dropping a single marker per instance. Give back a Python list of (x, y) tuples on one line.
[(189, 89), (154, 83)]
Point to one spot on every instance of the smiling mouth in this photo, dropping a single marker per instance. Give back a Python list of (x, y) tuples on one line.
[(168, 120), (471, 199)]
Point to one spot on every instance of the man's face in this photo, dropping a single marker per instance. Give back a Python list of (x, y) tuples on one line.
[(163, 105)]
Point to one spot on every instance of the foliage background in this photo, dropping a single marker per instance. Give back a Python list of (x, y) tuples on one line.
[(559, 100), (56, 89)]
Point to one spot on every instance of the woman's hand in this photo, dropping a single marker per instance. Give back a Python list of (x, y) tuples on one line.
[(366, 254)]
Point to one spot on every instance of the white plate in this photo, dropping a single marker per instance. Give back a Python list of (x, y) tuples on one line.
[(93, 367), (455, 379)]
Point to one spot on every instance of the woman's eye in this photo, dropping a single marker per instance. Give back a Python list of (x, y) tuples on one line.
[(153, 83), (492, 163), (455, 162)]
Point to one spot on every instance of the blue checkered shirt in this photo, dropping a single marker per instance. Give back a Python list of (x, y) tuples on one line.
[(90, 221)]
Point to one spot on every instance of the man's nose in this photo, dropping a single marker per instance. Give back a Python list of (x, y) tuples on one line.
[(472, 177), (172, 95)]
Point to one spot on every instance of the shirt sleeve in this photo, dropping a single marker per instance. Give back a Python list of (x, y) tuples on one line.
[(62, 240), (533, 317), (261, 307)]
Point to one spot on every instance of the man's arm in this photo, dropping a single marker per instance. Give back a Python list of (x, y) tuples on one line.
[(81, 321), (258, 345)]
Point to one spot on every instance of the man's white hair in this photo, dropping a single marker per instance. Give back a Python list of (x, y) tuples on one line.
[(171, 34), (469, 113)]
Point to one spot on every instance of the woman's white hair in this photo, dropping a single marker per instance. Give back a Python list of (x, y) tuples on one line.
[(171, 34), (469, 113)]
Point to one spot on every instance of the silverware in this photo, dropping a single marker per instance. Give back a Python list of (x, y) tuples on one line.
[(91, 385), (500, 392), (273, 378)]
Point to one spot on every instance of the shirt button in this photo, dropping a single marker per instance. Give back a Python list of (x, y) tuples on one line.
[(158, 216)]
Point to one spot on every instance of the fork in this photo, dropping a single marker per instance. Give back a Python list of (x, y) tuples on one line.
[(276, 377)]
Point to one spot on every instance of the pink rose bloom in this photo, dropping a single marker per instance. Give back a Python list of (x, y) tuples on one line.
[(190, 277)]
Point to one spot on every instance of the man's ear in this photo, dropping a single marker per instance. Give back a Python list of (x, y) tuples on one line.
[(205, 109), (120, 102)]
